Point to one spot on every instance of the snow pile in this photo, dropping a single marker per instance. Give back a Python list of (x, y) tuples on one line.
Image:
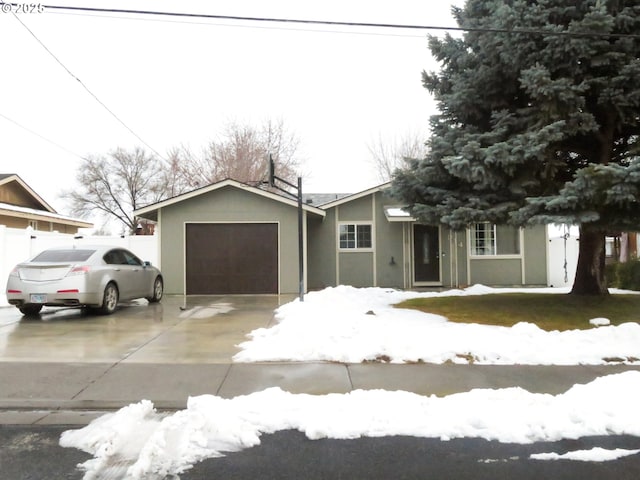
[(346, 324), (596, 454), (157, 446), (600, 322)]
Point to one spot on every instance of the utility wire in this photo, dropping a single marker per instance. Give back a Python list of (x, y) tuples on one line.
[(228, 25), (340, 24), (42, 137), (83, 85)]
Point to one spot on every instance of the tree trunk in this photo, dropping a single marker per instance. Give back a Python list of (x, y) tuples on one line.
[(590, 272)]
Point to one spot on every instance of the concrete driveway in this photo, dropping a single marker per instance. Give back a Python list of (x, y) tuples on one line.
[(201, 329)]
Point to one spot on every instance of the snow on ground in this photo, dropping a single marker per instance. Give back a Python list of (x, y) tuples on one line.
[(346, 324), (154, 446), (595, 454)]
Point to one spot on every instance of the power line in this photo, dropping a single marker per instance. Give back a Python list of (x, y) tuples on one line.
[(298, 21), (82, 84), (42, 137), (223, 24)]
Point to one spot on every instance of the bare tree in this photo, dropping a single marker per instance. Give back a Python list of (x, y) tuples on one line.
[(241, 153), (117, 184), (122, 181), (389, 155)]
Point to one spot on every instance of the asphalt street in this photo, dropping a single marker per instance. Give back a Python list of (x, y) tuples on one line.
[(33, 453)]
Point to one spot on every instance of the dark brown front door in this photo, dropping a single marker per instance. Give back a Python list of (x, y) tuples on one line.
[(231, 258), (426, 253)]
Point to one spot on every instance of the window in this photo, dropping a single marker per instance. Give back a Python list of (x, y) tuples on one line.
[(63, 256), (483, 239), (490, 239), (355, 236), (121, 257)]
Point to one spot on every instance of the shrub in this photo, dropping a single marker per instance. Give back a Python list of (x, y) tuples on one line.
[(624, 275)]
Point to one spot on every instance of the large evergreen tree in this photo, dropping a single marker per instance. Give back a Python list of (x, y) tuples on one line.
[(539, 120)]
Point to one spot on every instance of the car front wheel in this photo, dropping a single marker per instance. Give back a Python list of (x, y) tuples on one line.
[(158, 289), (109, 299)]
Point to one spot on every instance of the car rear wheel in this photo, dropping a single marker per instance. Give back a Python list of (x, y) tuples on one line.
[(30, 310), (158, 289), (109, 299)]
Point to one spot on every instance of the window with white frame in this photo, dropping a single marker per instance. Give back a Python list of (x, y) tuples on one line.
[(491, 239), (355, 235)]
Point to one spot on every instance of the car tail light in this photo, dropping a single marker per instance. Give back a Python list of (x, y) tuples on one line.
[(79, 270), (15, 272), (70, 290), (14, 291)]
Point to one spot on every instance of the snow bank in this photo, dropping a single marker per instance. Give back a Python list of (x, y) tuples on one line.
[(211, 426), (596, 454), (352, 325)]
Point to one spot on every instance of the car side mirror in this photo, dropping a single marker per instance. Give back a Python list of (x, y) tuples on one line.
[(146, 264)]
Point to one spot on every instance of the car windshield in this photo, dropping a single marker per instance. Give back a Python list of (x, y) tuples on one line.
[(63, 256)]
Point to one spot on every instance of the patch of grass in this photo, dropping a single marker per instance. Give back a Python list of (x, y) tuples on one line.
[(547, 311)]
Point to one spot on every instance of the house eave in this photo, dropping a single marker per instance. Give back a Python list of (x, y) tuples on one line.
[(356, 196), (15, 178), (150, 211), (32, 214)]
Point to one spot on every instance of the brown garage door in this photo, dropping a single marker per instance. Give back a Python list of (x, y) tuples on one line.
[(227, 258)]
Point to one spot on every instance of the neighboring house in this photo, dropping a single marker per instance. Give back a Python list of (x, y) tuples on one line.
[(231, 238), (21, 207)]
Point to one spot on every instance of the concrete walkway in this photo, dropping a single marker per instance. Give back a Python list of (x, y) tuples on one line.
[(62, 393), (67, 369)]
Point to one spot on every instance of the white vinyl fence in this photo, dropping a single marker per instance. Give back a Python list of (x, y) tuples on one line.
[(17, 245), (562, 258)]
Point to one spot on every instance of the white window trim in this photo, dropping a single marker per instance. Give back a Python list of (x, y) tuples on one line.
[(471, 243), (356, 249)]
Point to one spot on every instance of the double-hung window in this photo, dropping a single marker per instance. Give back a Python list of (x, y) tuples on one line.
[(355, 236), (488, 239)]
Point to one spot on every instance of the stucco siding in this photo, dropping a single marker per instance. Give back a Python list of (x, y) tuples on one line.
[(356, 269), (321, 253), (496, 271), (389, 246), (358, 210), (460, 270), (535, 258)]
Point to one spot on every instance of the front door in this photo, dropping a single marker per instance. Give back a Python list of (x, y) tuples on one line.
[(426, 254)]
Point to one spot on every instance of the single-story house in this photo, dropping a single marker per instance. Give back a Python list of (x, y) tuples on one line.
[(21, 207), (232, 238)]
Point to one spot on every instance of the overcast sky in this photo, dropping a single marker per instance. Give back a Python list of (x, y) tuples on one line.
[(176, 81)]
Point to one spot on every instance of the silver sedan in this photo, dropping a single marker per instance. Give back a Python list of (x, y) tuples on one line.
[(83, 276)]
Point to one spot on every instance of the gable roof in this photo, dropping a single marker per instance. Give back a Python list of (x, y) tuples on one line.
[(355, 196), (319, 199), (44, 211), (150, 211), (6, 178)]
